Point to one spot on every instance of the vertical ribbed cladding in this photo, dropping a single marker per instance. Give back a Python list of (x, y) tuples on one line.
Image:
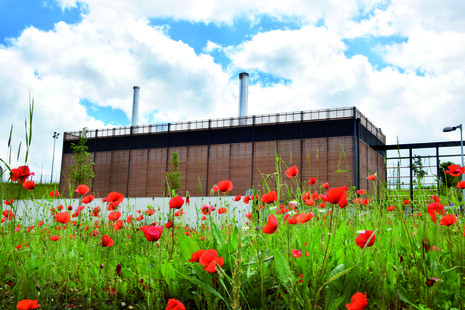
[(243, 93), (135, 106)]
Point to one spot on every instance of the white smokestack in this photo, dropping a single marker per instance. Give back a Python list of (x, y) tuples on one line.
[(135, 106), (243, 93)]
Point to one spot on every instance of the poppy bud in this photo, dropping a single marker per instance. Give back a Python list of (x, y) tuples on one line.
[(37, 288), (158, 243), (118, 269), (101, 266)]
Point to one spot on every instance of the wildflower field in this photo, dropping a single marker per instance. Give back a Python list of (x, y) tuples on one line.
[(306, 246)]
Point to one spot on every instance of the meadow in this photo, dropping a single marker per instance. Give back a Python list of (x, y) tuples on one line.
[(303, 246)]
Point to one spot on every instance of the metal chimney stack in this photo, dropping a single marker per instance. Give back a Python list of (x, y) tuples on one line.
[(243, 93), (135, 106)]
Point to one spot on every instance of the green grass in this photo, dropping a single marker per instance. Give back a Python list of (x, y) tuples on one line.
[(11, 190)]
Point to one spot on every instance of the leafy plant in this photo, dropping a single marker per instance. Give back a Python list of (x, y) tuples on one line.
[(174, 178), (82, 172)]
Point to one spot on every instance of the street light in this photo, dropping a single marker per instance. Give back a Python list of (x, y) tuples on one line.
[(55, 137), (449, 129)]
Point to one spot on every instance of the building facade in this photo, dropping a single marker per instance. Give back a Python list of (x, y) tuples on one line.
[(332, 145)]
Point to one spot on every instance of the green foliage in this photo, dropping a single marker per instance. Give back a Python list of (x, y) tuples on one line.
[(417, 167), (82, 172), (174, 178), (446, 179)]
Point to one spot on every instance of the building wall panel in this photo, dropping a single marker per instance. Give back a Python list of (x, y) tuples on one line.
[(289, 152), (119, 172), (102, 170), (156, 168), (182, 154), (196, 177), (241, 167), (219, 164), (264, 163), (137, 173)]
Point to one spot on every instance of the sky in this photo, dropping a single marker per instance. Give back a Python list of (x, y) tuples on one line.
[(400, 62)]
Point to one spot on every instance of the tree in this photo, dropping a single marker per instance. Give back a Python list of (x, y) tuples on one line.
[(174, 178), (417, 168), (82, 172)]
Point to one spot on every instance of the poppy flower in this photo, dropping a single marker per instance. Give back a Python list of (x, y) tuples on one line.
[(176, 202), (371, 177), (362, 239), (302, 218), (129, 219), (337, 195), (88, 199), (361, 192), (209, 259), (107, 241), (292, 172), (448, 220), (54, 238), (455, 170), (20, 174), (312, 181), (29, 185), (113, 216), (435, 198), (222, 210), (325, 185), (8, 214), (430, 282), (391, 208), (433, 208), (406, 202), (82, 189), (358, 302), (269, 197), (114, 199), (27, 304), (118, 225), (62, 217), (54, 193), (174, 304), (8, 202), (237, 198), (298, 253), (140, 218), (247, 199), (169, 224), (179, 213), (150, 212), (271, 226), (152, 233), (195, 257), (225, 186), (461, 185)]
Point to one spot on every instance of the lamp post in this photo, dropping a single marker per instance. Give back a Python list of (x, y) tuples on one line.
[(449, 129), (55, 137)]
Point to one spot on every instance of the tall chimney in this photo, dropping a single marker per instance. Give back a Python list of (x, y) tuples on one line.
[(243, 93), (135, 106)]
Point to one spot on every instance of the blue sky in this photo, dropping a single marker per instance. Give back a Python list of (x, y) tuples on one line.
[(400, 62)]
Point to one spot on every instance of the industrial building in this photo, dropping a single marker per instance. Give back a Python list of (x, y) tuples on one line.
[(332, 145)]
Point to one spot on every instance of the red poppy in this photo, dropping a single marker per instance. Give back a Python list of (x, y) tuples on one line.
[(435, 198), (62, 217), (271, 225), (107, 241), (269, 197), (169, 224), (174, 304), (152, 233), (129, 219), (247, 199), (27, 304), (361, 192), (225, 186), (140, 218), (150, 212), (179, 213), (312, 181), (371, 177), (118, 225), (195, 257), (337, 195), (461, 185), (8, 214), (209, 259), (20, 174), (222, 210), (114, 199), (358, 302), (54, 238), (88, 199), (455, 170), (237, 198), (176, 202), (391, 208), (95, 212), (448, 220), (54, 193), (82, 189), (29, 185), (292, 172), (362, 239), (304, 217), (113, 216), (8, 202), (325, 185), (298, 253), (433, 208)]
